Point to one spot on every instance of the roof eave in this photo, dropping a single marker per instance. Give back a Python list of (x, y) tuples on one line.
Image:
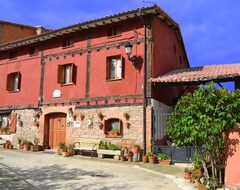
[(89, 24)]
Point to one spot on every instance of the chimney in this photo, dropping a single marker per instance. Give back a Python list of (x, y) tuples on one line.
[(40, 30)]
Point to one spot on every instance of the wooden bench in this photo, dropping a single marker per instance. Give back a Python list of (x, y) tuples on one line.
[(87, 145)]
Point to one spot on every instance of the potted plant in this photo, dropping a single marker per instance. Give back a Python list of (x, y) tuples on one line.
[(36, 147), (71, 150), (126, 115), (100, 115), (122, 157), (27, 145), (187, 172), (113, 133), (61, 146), (20, 143), (10, 145), (65, 151), (81, 115), (5, 130), (164, 159), (130, 156), (195, 176), (125, 150), (145, 159), (7, 144), (136, 148), (127, 125), (151, 158), (74, 116)]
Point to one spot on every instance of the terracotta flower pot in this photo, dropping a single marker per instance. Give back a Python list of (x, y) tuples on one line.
[(145, 159), (122, 158), (136, 149), (152, 159), (71, 151), (60, 150), (130, 159), (125, 150), (27, 147), (10, 146), (187, 175), (165, 162), (65, 154)]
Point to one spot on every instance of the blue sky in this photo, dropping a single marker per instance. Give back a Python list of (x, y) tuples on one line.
[(210, 28)]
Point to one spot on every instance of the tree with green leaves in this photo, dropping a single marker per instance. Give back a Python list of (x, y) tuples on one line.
[(200, 119)]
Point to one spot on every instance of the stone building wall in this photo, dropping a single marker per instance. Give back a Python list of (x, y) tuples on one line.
[(25, 128), (78, 128), (131, 135)]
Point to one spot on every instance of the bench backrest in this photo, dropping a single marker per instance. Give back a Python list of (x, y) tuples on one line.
[(88, 144)]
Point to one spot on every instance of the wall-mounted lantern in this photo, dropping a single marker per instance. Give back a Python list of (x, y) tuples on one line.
[(128, 47)]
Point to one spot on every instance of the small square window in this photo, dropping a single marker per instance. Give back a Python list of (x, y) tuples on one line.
[(13, 55), (67, 73), (34, 50), (13, 81), (114, 31), (67, 42), (114, 67), (113, 127)]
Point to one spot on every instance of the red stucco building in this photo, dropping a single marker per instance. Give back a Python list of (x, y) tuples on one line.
[(78, 82)]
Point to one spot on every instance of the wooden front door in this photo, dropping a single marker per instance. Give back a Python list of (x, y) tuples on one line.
[(57, 129)]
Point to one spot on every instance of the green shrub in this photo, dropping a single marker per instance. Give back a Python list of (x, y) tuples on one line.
[(162, 156)]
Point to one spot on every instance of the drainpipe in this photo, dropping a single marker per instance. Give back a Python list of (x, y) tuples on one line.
[(42, 64), (144, 82)]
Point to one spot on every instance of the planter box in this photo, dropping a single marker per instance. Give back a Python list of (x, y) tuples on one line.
[(36, 148), (102, 152), (165, 162)]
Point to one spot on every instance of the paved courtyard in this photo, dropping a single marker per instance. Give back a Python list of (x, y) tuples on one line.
[(47, 170)]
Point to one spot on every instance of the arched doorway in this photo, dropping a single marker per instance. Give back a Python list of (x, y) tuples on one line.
[(55, 129)]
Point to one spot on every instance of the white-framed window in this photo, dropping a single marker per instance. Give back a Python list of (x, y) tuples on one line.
[(13, 82), (66, 73), (114, 67)]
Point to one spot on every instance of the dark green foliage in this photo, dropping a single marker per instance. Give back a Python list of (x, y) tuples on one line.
[(201, 118)]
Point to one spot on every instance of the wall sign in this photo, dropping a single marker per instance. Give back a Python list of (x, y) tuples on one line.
[(57, 94), (77, 124)]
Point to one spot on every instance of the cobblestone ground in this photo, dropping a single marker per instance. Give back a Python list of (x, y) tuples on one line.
[(20, 170)]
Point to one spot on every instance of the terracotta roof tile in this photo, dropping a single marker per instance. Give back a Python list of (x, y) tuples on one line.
[(200, 73)]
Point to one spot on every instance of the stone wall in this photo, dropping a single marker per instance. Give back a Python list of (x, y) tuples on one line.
[(78, 128), (25, 128), (131, 135)]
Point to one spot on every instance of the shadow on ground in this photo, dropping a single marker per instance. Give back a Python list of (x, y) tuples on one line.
[(60, 177)]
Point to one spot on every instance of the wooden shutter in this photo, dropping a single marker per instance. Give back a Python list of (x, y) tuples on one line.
[(9, 82), (19, 80), (13, 122), (74, 73), (108, 68), (106, 126), (60, 78)]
